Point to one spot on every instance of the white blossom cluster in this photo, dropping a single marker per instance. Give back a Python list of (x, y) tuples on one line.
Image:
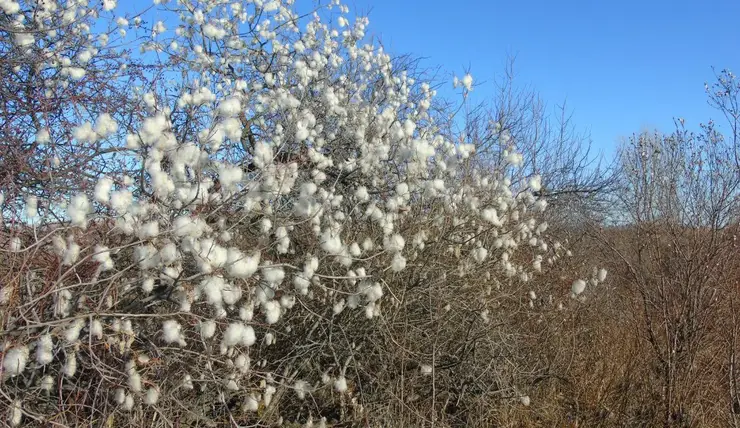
[(294, 167)]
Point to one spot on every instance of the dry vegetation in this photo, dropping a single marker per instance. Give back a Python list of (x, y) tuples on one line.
[(453, 315)]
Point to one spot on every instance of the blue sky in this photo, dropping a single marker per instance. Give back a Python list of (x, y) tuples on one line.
[(621, 65)]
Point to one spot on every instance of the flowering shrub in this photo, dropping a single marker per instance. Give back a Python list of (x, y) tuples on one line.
[(263, 222)]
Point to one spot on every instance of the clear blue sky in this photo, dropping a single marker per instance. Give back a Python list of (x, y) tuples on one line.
[(621, 65)]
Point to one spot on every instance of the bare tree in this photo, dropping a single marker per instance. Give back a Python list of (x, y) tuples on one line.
[(574, 180), (676, 253), (56, 78)]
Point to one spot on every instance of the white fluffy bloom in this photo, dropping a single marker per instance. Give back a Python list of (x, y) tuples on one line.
[(394, 243), (240, 266), (187, 381), (102, 256), (398, 263), (186, 225), (158, 28), (301, 387), (578, 287), (172, 332), (237, 333), (229, 107), (24, 39), (84, 56), (287, 301), (147, 285), (84, 133), (43, 136), (207, 329), (480, 254), (266, 225), (72, 253), (273, 274), (248, 336), (60, 247), (10, 7), (75, 73), (339, 307), (47, 383), (515, 159), (102, 189), (361, 194), (77, 210), (535, 183), (105, 126), (148, 230), (70, 364), (44, 348), (281, 235), (231, 384), (602, 275), (96, 329), (340, 384), (213, 32), (301, 284), (272, 311), (231, 293), (62, 302), (211, 255), (73, 331), (331, 243), (134, 378), (168, 253), (119, 395), (373, 292), (251, 404), (32, 206), (128, 403), (354, 250), (121, 200), (467, 82), (212, 287), (15, 360), (271, 5), (152, 396), (230, 175), (246, 313)]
